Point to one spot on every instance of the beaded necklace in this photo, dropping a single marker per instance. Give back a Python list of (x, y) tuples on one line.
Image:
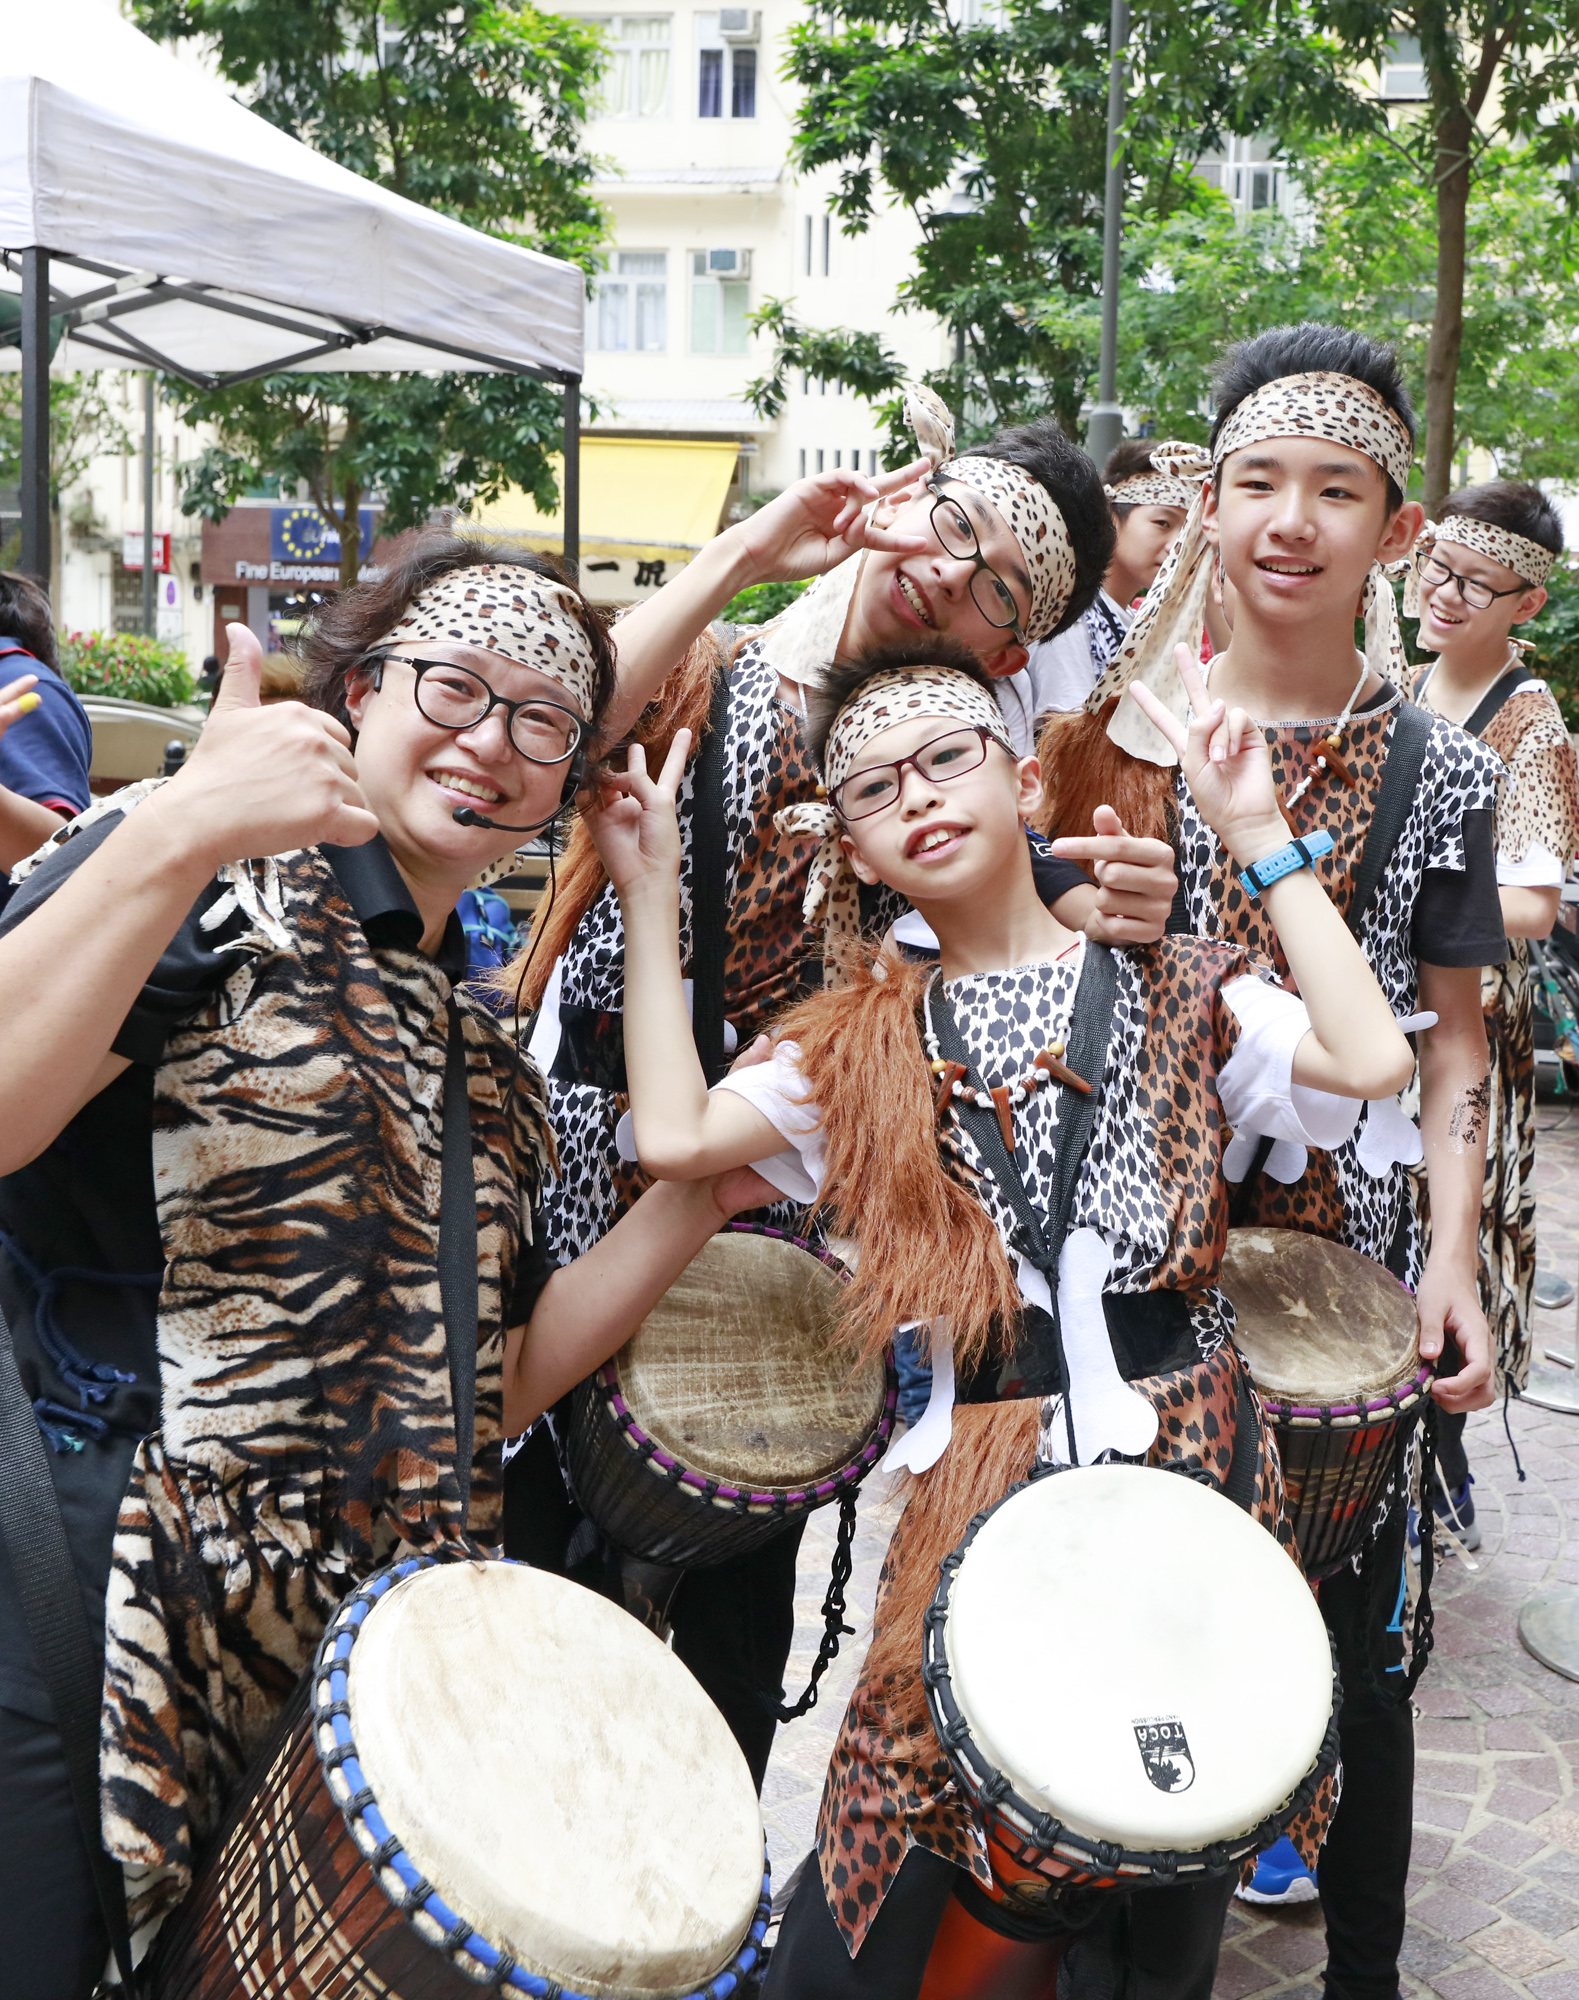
[(1327, 756), (1046, 1067)]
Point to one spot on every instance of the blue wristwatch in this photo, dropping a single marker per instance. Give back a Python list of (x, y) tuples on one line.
[(1284, 861)]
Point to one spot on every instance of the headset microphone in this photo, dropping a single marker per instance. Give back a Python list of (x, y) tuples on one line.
[(575, 777)]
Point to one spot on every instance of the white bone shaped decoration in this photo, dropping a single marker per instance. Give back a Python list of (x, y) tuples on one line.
[(1109, 1415)]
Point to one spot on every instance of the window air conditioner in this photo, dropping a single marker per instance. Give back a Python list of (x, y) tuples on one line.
[(739, 24), (724, 263)]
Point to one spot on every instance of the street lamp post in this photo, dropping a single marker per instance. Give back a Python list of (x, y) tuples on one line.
[(1105, 425), (148, 503)]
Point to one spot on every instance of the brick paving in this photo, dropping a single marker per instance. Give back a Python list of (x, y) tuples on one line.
[(1494, 1891)]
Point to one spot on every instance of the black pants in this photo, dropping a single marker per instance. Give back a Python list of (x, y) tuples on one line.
[(53, 1944), (733, 1623), (1450, 1454), (1157, 1944), (1364, 1865)]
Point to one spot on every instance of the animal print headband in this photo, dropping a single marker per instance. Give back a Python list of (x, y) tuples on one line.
[(1176, 472), (1527, 559), (801, 644), (1338, 408), (505, 609), (832, 891)]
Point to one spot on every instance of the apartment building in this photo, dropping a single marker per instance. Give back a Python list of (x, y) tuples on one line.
[(709, 221)]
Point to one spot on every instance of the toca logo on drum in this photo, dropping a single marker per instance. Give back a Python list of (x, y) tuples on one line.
[(1165, 1752)]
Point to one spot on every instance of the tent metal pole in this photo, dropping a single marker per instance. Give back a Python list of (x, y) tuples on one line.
[(35, 560), (148, 503), (571, 479)]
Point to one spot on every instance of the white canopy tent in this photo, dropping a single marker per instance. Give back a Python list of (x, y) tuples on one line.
[(172, 229)]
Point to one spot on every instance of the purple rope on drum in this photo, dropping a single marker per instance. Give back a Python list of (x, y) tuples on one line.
[(1397, 1400), (778, 1501), (383, 1850)]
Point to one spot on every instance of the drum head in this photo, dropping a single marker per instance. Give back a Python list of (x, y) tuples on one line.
[(1318, 1323), (1138, 1657), (736, 1371), (559, 1777)]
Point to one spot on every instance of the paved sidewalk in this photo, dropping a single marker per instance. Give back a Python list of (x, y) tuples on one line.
[(1494, 1903)]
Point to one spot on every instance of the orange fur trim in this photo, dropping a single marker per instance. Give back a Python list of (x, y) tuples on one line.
[(928, 1247), (994, 1444), (1083, 769), (682, 703)]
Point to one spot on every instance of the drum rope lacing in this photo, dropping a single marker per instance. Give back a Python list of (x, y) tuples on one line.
[(417, 1898), (1026, 1831), (833, 1610)]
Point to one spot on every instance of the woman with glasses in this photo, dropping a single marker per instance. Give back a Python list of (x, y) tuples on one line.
[(232, 1145), (1479, 572)]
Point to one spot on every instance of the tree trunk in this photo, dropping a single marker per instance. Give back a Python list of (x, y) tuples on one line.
[(1454, 136), (350, 526)]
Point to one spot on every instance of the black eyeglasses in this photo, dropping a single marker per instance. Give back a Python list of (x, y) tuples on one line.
[(868, 791), (990, 594), (1477, 595), (451, 697)]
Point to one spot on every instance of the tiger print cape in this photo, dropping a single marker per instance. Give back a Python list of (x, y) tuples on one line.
[(307, 1431)]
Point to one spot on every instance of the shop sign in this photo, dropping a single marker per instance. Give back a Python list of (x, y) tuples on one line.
[(132, 552), (302, 535)]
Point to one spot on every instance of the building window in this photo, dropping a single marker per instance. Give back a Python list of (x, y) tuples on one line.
[(808, 246), (726, 71), (719, 300), (871, 462), (819, 461), (636, 82), (1403, 72), (827, 238), (629, 314), (803, 461)]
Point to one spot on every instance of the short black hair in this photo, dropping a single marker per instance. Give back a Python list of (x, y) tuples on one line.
[(1063, 469), (845, 679), (1312, 348), (25, 616), (1512, 504)]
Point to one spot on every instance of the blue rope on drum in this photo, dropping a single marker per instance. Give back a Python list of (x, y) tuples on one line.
[(383, 1849)]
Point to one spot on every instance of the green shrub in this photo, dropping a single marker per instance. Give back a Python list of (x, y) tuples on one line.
[(761, 602), (127, 665), (1556, 636)]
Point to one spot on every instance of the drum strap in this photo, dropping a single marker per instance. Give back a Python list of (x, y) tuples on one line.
[(458, 1253), (70, 1659), (1039, 1366), (710, 888)]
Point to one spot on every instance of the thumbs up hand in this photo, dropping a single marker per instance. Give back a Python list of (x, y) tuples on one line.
[(264, 780)]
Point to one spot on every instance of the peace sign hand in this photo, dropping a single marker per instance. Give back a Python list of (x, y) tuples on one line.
[(814, 524), (635, 826), (1226, 765)]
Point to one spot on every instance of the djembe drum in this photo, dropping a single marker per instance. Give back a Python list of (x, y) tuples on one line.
[(1132, 1682), (732, 1411), (1331, 1340), (493, 1778)]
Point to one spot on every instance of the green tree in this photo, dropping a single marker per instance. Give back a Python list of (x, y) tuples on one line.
[(471, 107)]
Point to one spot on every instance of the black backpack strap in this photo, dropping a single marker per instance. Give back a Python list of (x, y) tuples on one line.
[(1400, 780), (70, 1659), (1042, 1238), (458, 1251), (1475, 723), (710, 888)]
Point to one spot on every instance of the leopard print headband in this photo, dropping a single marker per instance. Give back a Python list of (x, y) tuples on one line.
[(1032, 517), (1527, 559), (1177, 470), (832, 891), (1338, 408), (505, 609)]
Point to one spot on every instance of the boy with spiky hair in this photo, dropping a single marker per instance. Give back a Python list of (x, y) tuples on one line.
[(1304, 512)]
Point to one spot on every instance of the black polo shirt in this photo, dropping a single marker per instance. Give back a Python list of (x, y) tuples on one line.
[(80, 1254)]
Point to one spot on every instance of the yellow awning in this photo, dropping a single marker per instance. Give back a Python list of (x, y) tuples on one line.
[(654, 499)]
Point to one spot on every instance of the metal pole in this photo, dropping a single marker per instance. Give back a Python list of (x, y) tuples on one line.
[(36, 538), (570, 481), (148, 503), (1105, 425)]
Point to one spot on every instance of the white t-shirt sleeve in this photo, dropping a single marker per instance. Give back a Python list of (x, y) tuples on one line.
[(1539, 869), (1256, 1085), (777, 1090)]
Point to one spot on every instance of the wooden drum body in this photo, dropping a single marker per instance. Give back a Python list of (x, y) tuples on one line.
[(1132, 1682), (732, 1411), (1331, 1339), (493, 1778)]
